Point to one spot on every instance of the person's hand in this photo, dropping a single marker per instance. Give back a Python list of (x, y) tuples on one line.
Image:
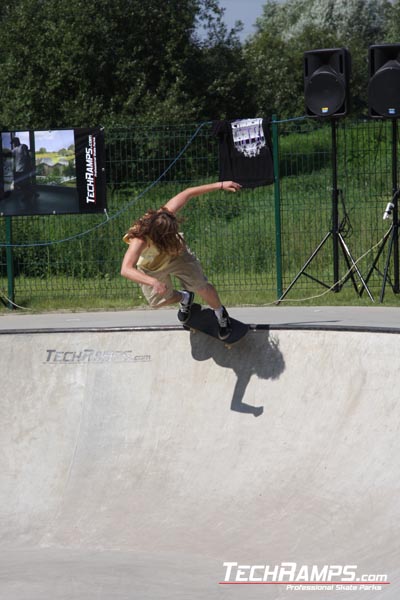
[(230, 186), (159, 287)]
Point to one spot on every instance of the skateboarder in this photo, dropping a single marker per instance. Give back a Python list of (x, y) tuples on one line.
[(157, 250)]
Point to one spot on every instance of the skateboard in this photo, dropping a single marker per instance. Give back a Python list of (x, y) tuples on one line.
[(204, 320)]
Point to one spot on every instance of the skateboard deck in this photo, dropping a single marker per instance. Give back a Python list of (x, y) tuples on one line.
[(204, 320)]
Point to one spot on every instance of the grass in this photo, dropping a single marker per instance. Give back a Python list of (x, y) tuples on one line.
[(117, 295)]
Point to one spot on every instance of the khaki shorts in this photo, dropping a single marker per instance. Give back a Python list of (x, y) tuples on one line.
[(185, 267)]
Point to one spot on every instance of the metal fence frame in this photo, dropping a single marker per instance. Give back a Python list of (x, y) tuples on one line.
[(251, 245)]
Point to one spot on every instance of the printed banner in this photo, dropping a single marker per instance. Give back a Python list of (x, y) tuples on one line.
[(90, 171), (52, 172)]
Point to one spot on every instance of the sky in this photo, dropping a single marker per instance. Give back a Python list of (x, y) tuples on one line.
[(246, 11), (54, 140), (51, 140)]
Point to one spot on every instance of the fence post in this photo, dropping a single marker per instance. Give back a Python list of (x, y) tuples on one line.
[(10, 263), (277, 197)]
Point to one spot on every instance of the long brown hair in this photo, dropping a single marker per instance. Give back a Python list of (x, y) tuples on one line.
[(161, 227)]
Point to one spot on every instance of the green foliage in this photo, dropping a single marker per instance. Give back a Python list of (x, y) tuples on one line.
[(305, 151), (116, 63), (81, 63), (393, 22)]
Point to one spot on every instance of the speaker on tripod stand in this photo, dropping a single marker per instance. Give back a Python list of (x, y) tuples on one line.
[(326, 95), (384, 103), (326, 82), (384, 81)]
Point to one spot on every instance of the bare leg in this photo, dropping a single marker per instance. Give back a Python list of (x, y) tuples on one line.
[(210, 295), (177, 297)]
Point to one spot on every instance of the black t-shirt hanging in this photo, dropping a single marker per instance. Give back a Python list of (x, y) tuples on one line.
[(245, 152)]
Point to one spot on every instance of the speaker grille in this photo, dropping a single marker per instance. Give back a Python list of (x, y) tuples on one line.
[(325, 92), (326, 82), (384, 90)]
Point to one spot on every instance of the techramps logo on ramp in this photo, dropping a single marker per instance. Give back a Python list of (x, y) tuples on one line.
[(92, 356), (300, 578)]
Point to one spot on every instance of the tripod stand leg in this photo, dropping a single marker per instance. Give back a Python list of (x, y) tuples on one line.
[(300, 273), (387, 264), (353, 265), (377, 257)]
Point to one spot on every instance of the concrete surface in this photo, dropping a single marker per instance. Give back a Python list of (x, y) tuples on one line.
[(135, 463), (375, 318)]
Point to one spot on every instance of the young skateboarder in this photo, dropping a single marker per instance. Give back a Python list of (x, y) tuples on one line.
[(157, 250)]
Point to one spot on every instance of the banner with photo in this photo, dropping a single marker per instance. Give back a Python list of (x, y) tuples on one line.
[(52, 172)]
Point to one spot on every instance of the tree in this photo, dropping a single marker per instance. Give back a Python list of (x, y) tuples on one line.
[(393, 23), (83, 63), (218, 77)]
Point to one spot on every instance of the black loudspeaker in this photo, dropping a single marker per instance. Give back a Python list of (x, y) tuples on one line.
[(326, 82), (384, 83)]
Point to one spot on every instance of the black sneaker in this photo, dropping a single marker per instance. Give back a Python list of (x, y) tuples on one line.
[(184, 308), (224, 325)]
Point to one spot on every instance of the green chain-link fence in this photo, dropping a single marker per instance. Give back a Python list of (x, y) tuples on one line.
[(252, 245)]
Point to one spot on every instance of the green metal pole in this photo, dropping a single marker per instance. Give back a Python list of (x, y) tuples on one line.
[(277, 197), (10, 263)]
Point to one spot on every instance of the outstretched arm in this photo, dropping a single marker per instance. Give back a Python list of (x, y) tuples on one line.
[(179, 201)]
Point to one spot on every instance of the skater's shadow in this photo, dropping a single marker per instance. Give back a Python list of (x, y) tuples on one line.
[(256, 354)]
